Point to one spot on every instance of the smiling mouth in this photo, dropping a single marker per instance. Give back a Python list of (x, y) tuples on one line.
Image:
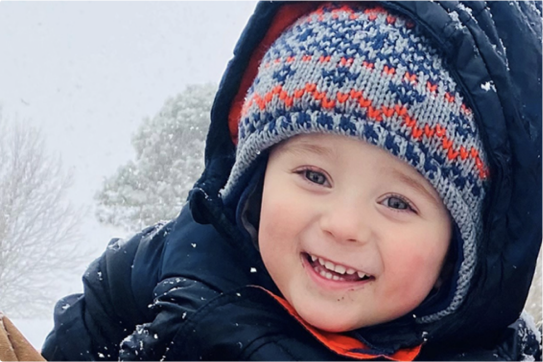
[(337, 272)]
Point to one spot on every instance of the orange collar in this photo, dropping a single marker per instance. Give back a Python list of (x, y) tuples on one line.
[(345, 345)]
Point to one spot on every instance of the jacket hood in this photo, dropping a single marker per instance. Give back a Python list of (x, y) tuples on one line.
[(493, 52)]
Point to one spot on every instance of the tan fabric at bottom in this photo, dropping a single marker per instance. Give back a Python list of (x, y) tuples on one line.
[(13, 345)]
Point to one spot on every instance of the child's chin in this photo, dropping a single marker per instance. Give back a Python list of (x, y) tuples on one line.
[(330, 322)]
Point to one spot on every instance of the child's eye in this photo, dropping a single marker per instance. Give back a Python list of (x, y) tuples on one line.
[(315, 177), (397, 203)]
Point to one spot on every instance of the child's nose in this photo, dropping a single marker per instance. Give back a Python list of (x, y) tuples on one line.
[(347, 221)]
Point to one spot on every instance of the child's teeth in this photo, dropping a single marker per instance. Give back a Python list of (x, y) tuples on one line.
[(329, 265), (339, 269), (322, 273)]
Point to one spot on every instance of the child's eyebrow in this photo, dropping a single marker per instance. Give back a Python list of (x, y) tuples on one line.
[(413, 183), (302, 147)]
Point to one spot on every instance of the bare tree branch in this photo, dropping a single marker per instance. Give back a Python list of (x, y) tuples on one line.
[(39, 230)]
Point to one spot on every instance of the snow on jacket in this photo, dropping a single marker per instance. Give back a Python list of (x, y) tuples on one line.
[(196, 287)]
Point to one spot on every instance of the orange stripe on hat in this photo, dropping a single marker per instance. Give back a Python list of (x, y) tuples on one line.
[(452, 150)]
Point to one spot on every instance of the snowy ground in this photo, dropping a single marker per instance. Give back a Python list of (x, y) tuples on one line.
[(35, 330)]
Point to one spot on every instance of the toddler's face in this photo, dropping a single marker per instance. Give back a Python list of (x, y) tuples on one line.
[(351, 235)]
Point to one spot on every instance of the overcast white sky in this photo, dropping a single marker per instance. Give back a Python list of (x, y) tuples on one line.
[(87, 73)]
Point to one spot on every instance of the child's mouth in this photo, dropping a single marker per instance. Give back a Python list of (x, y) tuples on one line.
[(337, 272)]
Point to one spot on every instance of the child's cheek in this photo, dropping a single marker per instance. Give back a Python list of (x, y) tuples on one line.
[(274, 217), (278, 227), (414, 275), (281, 210)]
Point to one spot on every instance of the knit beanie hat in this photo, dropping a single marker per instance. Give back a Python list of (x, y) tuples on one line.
[(364, 72)]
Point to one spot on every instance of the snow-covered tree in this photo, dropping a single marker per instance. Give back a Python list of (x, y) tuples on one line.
[(169, 159), (39, 229)]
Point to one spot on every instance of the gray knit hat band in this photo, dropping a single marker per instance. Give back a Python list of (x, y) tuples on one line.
[(369, 74)]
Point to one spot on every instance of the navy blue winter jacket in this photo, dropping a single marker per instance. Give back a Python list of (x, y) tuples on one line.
[(196, 288)]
